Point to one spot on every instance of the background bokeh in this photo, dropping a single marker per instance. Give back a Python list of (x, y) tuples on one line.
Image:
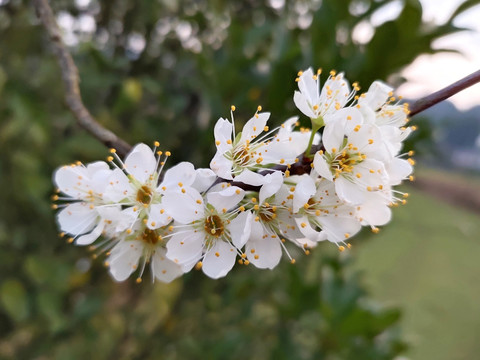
[(167, 70)]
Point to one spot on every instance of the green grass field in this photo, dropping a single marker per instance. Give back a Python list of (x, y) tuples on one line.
[(427, 261)]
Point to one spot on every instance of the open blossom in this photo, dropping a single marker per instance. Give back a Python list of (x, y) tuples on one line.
[(272, 223), (83, 190), (141, 247), (136, 186), (351, 159), (240, 155), (334, 95), (206, 233), (321, 214)]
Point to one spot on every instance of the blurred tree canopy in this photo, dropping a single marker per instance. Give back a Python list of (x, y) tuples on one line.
[(167, 70)]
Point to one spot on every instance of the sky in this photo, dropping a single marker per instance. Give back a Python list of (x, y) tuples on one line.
[(429, 73)]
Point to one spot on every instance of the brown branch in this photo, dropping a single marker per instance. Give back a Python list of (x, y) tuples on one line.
[(71, 80), (440, 95)]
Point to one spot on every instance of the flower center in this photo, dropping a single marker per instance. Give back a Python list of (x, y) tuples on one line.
[(150, 237), (241, 157), (345, 161), (144, 194), (267, 213), (214, 225)]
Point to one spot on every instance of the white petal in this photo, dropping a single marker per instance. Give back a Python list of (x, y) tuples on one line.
[(240, 228), (77, 218), (118, 187), (249, 177), (349, 191), (163, 268), (124, 258), (374, 212), (219, 260), (72, 180), (308, 231), (126, 218), (204, 179), (222, 133), (333, 136), (308, 86), (141, 162), (376, 95), (302, 104), (226, 198), (268, 252), (263, 252), (334, 91), (321, 167), (221, 166), (287, 127), (254, 126), (271, 184), (339, 229), (158, 216), (184, 207), (87, 239), (304, 190), (398, 170), (185, 247), (183, 173)]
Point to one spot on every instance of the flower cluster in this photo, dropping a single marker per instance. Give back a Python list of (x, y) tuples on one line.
[(250, 205)]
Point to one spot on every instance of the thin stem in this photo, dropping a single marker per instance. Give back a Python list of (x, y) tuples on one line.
[(440, 95), (70, 79), (310, 141)]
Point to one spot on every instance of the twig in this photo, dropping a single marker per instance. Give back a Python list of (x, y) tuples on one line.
[(440, 95), (70, 80)]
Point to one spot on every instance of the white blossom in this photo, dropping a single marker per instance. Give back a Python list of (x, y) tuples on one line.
[(206, 233)]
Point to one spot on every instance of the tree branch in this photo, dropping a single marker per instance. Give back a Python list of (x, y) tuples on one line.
[(440, 95), (71, 80)]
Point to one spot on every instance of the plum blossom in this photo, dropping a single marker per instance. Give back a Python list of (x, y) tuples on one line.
[(206, 233), (83, 188), (143, 246), (240, 155), (316, 104), (272, 223), (321, 214), (351, 158)]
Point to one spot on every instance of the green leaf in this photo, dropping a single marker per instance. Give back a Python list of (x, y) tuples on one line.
[(13, 298)]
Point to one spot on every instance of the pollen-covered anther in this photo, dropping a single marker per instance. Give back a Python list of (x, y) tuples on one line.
[(375, 230), (198, 265)]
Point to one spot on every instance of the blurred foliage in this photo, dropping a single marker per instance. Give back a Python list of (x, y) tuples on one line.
[(166, 70)]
